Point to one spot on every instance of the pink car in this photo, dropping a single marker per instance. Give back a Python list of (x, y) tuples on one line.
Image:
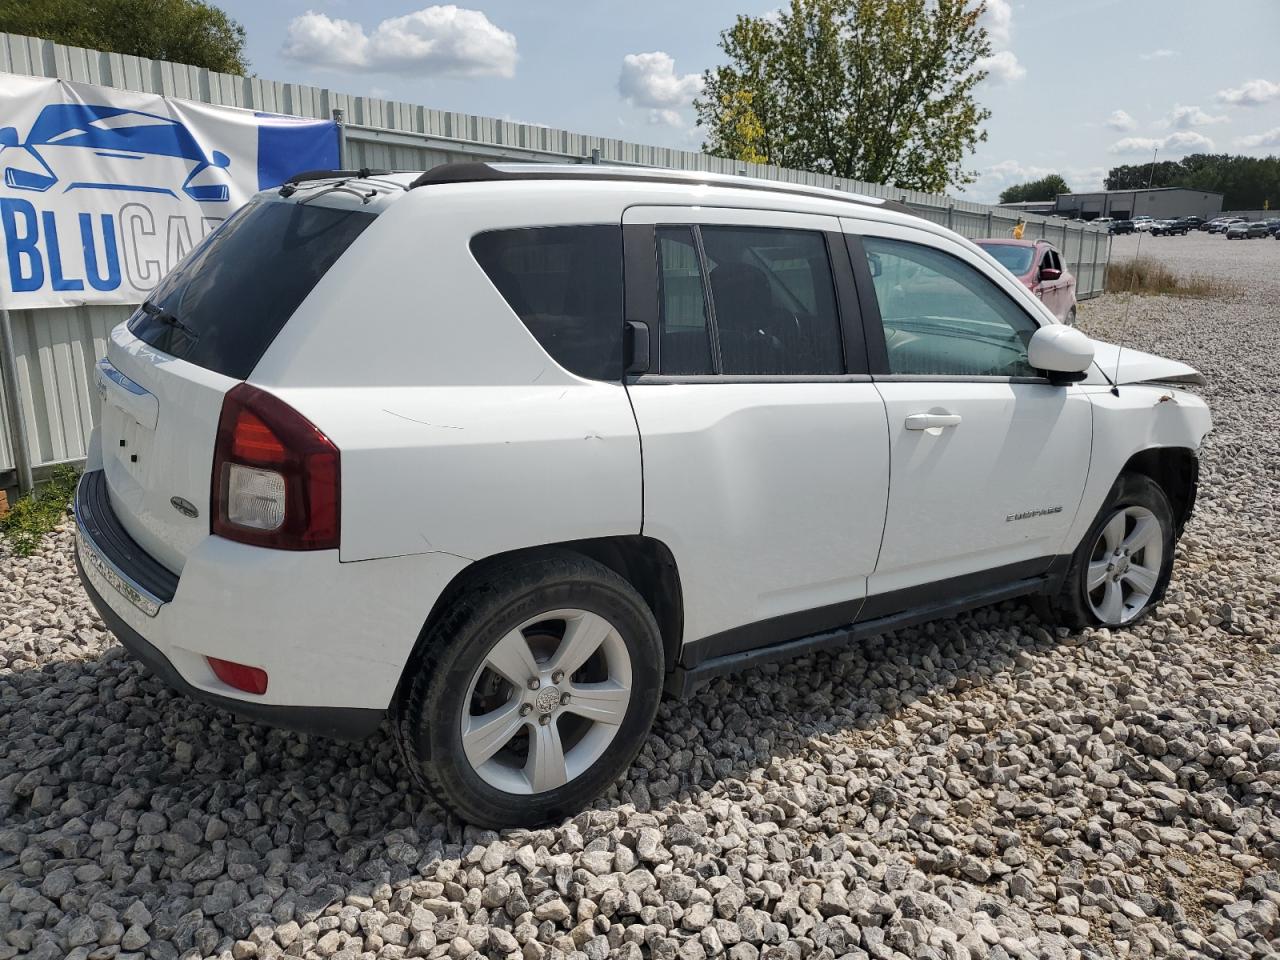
[(1038, 266)]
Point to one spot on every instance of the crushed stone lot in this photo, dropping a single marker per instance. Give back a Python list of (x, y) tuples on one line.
[(982, 787)]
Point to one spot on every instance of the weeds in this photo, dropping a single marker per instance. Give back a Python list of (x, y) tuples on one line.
[(1148, 277), (31, 517)]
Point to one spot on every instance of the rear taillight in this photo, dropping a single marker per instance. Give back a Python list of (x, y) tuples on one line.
[(276, 477)]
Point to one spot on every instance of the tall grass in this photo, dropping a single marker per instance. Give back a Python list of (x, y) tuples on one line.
[(38, 512), (1148, 277)]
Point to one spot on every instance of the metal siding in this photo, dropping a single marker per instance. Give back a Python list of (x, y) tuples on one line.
[(57, 348)]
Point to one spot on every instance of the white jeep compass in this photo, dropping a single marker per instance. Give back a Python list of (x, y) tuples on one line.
[(504, 451)]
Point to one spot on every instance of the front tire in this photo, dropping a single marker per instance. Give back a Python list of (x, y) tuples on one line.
[(532, 693), (1122, 567)]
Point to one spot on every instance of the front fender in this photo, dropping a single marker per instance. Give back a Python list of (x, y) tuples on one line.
[(1143, 417)]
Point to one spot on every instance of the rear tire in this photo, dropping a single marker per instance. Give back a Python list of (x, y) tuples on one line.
[(1121, 568), (532, 693)]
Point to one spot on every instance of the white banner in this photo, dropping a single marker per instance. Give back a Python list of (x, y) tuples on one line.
[(103, 191)]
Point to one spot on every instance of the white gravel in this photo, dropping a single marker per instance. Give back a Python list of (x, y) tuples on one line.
[(977, 788)]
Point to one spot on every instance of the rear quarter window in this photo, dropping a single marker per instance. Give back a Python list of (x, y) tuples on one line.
[(565, 285), (224, 305)]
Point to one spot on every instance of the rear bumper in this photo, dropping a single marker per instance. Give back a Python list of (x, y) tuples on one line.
[(332, 637), (342, 723)]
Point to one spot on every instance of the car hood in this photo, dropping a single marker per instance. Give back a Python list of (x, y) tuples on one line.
[(1138, 367)]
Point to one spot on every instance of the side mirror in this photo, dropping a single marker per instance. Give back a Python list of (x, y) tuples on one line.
[(1063, 352), (1050, 273)]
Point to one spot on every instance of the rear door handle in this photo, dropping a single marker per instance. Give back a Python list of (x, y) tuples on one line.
[(930, 421)]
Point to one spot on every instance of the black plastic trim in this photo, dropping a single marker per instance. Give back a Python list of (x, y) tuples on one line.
[(848, 305), (93, 510), (824, 627), (640, 284), (660, 378), (966, 585), (872, 328), (340, 723), (697, 668)]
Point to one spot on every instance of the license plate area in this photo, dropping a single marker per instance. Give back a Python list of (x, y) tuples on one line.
[(105, 575)]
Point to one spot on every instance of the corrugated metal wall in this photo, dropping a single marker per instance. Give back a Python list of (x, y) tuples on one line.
[(58, 347)]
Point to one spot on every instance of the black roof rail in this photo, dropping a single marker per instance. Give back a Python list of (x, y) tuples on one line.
[(336, 174), (483, 172)]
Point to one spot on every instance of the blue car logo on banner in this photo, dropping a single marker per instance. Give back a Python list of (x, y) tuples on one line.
[(90, 147)]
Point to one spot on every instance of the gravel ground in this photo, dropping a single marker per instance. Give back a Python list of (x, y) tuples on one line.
[(981, 787)]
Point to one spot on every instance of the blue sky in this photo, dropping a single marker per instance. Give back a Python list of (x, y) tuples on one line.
[(1076, 87)]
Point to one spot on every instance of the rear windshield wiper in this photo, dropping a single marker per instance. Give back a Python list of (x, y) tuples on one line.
[(161, 315)]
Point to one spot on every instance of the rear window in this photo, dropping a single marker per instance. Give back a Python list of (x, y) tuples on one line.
[(1014, 258), (565, 284), (224, 304)]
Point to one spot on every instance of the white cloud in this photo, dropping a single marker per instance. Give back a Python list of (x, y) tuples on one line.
[(1162, 54), (998, 19), (1253, 93), (1184, 118), (1270, 138), (666, 118), (650, 80), (1003, 66), (1182, 142), (438, 40), (1120, 120), (1187, 141), (1136, 145)]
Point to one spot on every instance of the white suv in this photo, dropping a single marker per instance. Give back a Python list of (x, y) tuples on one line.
[(503, 451)]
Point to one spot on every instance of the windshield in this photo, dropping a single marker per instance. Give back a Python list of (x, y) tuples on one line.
[(224, 304), (1013, 257)]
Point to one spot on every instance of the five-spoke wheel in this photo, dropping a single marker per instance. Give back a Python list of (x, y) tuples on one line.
[(1125, 565), (1121, 567), (532, 692), (547, 701)]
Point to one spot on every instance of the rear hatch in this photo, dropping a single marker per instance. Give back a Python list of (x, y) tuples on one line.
[(202, 331)]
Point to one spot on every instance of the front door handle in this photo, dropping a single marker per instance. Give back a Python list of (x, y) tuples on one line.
[(930, 421)]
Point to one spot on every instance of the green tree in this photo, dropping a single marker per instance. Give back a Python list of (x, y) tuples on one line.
[(875, 90), (182, 31), (1246, 183), (1135, 176), (1046, 188)]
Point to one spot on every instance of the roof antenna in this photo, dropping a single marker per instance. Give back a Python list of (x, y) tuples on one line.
[(1133, 277)]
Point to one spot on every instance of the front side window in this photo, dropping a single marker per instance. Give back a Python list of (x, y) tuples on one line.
[(565, 284), (942, 317)]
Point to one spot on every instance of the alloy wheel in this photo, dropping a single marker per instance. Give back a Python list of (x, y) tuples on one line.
[(546, 702), (1124, 567)]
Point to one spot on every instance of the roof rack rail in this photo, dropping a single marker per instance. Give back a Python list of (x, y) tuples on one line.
[(336, 174), (490, 171)]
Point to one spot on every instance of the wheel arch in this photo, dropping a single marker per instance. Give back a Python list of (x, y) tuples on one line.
[(644, 562), (1177, 471)]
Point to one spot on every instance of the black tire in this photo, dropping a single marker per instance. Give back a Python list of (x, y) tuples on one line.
[(428, 710), (1071, 606)]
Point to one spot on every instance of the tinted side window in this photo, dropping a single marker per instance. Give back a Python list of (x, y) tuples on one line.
[(686, 344), (943, 317), (565, 284), (226, 302), (774, 301)]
